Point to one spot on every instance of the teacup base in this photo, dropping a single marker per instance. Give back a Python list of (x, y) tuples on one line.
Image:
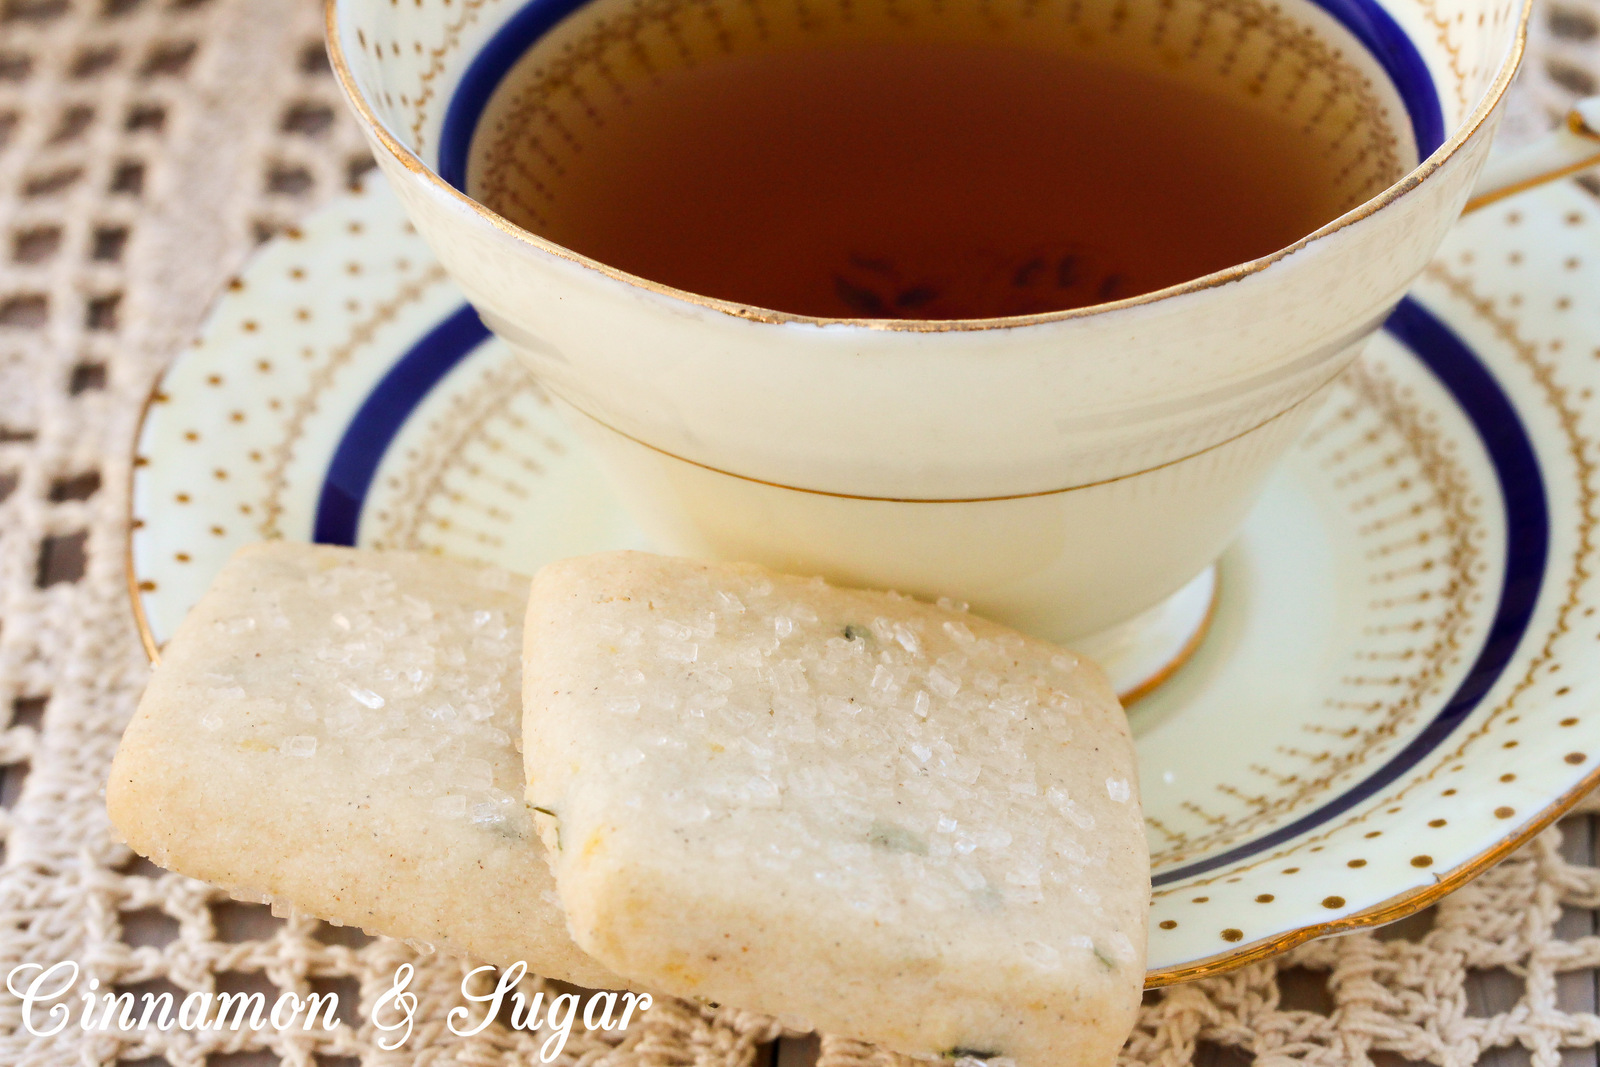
[(1141, 653)]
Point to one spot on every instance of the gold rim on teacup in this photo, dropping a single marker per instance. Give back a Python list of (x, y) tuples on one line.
[(1464, 131)]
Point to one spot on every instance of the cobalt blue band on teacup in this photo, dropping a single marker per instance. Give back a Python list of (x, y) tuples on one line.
[(1364, 20)]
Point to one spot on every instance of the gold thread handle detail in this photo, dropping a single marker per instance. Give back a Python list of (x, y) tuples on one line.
[(1571, 147)]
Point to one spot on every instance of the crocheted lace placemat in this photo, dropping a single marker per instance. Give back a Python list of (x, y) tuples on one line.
[(145, 147)]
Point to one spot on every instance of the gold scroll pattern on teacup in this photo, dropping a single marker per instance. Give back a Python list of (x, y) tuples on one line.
[(1466, 41), (585, 69), (1410, 501), (436, 64), (414, 53)]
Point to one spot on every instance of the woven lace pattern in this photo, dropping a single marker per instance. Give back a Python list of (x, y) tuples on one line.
[(145, 147)]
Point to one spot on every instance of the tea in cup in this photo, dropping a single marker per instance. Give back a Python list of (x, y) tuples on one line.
[(929, 171)]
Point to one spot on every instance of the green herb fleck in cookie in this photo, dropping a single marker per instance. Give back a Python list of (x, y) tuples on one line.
[(896, 838)]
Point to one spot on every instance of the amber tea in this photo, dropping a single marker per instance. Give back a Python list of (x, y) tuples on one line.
[(935, 178)]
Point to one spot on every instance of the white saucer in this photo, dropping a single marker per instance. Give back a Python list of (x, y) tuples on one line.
[(1399, 682)]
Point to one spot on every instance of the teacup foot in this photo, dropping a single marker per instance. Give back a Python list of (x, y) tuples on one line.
[(1140, 654)]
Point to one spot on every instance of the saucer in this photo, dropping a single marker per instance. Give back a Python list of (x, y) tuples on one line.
[(1398, 683)]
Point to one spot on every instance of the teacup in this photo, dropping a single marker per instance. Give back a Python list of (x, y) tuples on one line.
[(1061, 472)]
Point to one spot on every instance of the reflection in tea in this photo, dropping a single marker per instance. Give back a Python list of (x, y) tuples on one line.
[(925, 175)]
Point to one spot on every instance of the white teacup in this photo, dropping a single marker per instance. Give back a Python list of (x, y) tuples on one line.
[(1061, 472)]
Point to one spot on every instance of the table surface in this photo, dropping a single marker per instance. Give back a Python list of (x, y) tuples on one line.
[(1488, 993)]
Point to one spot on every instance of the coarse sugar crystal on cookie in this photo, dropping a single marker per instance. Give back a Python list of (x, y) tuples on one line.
[(335, 731), (853, 810)]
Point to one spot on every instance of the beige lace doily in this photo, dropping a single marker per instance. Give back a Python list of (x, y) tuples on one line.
[(145, 147)]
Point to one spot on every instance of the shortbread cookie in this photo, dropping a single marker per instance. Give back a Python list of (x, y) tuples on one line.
[(883, 818), (336, 731)]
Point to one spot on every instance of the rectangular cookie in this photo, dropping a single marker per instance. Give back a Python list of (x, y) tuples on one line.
[(884, 818), (336, 730)]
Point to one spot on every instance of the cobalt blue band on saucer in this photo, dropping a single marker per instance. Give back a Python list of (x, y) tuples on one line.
[(1365, 20), (1474, 390), (380, 417), (1527, 518)]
